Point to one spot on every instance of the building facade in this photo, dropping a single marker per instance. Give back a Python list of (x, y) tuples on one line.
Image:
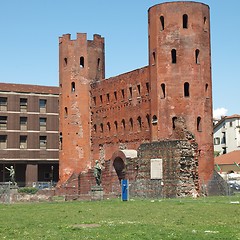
[(29, 133), (227, 134), (169, 100)]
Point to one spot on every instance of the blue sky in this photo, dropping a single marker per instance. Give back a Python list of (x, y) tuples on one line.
[(30, 31)]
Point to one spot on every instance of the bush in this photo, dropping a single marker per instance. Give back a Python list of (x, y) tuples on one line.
[(28, 190)]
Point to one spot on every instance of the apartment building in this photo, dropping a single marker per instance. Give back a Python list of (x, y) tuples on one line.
[(29, 133), (227, 134)]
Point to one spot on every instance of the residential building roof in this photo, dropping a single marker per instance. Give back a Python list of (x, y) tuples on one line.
[(25, 88), (228, 158)]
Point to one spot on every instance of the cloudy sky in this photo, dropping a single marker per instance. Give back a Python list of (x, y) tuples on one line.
[(30, 31)]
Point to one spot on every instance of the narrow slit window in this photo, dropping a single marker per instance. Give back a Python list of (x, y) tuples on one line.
[(185, 21), (101, 128), (73, 87), (81, 62), (94, 101), (115, 95), (65, 61), (162, 23), (108, 97), (131, 124), (206, 90), (163, 95), (197, 52), (130, 92), (147, 86), (98, 64), (123, 124), (205, 24), (199, 124), (186, 89), (109, 126), (153, 58), (148, 120), (116, 126), (123, 94), (101, 99), (174, 55), (139, 89), (65, 112), (139, 123), (95, 128)]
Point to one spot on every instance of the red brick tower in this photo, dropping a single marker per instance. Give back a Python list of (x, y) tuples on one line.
[(81, 62), (180, 75)]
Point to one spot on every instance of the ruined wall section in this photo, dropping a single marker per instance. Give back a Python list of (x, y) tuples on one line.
[(120, 113), (180, 75), (81, 62)]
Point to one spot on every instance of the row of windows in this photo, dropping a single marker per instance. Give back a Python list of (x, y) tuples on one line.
[(186, 90), (139, 124), (174, 56), (81, 62), (23, 123), (123, 94), (23, 142), (184, 22), (23, 103)]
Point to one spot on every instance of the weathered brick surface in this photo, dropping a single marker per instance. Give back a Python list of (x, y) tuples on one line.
[(167, 103)]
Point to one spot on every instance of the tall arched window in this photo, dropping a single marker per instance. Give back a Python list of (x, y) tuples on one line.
[(139, 123), (81, 62), (153, 58), (163, 94), (95, 128), (101, 128), (186, 89), (98, 64), (123, 124), (116, 126), (174, 55), (197, 52), (65, 61), (154, 119), (199, 124), (131, 124), (161, 23), (206, 90), (185, 21), (148, 119)]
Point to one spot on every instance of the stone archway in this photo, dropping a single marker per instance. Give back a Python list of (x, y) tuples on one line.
[(119, 167)]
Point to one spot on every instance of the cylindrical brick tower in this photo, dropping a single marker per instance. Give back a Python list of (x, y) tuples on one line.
[(180, 75), (81, 62)]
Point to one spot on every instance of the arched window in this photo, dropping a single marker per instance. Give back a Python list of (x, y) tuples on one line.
[(174, 119), (186, 89), (197, 52), (73, 87), (154, 119), (199, 124), (162, 23), (116, 126), (95, 128), (174, 55), (205, 25), (131, 124), (123, 124), (81, 62), (65, 112), (139, 123), (185, 21), (148, 119), (163, 90)]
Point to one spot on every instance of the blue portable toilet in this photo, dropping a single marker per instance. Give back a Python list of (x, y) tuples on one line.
[(125, 190)]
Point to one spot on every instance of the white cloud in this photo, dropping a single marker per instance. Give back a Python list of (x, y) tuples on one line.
[(219, 112)]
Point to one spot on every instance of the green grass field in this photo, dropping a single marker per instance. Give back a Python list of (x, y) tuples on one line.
[(215, 218)]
